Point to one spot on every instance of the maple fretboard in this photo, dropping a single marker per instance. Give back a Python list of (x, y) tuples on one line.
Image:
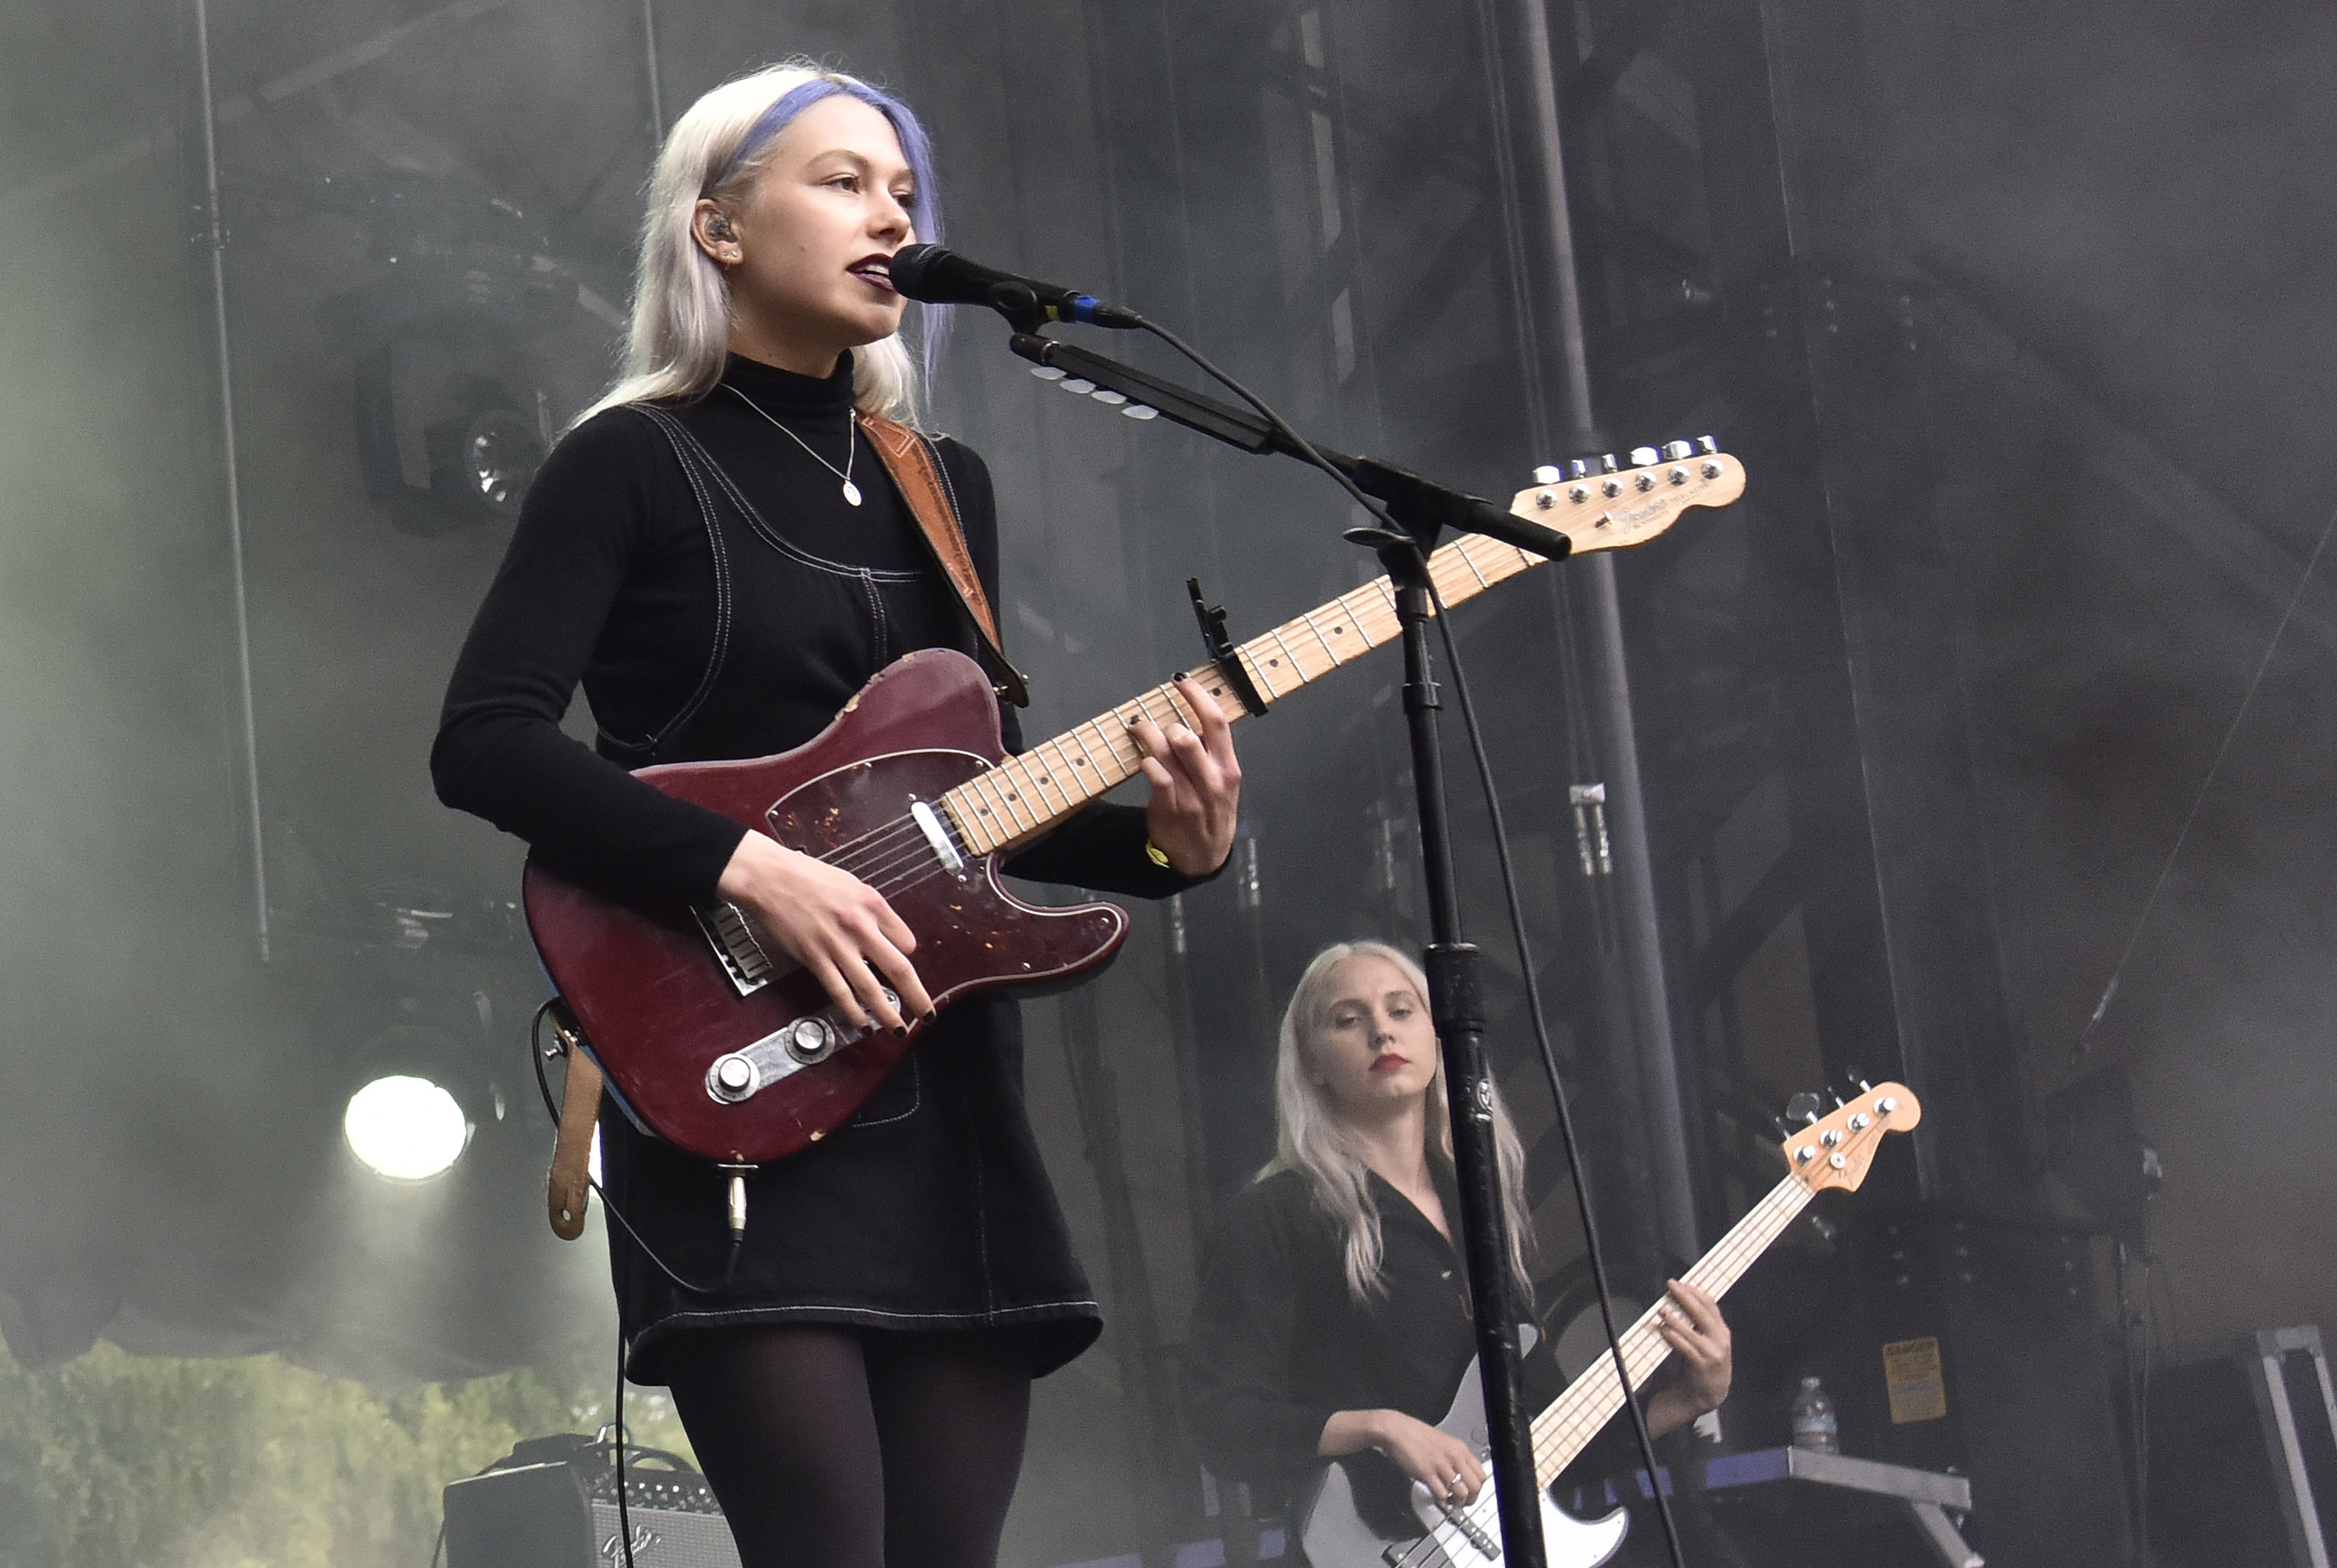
[(1026, 795)]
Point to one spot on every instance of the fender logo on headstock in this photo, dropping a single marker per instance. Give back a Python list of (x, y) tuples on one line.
[(1614, 511)]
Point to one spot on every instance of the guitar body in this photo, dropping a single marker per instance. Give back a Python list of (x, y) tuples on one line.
[(1335, 1535), (647, 983)]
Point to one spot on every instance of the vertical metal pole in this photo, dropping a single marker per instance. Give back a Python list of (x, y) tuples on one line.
[(218, 239), (1642, 936), (657, 91)]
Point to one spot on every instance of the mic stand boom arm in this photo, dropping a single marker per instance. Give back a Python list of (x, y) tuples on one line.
[(1421, 509), (1418, 502)]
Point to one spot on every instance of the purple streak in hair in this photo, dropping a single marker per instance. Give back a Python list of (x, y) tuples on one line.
[(915, 146)]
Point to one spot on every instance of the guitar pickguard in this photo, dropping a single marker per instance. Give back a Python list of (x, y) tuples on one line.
[(1336, 1535)]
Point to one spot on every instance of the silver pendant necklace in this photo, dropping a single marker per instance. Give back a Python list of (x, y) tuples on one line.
[(851, 446)]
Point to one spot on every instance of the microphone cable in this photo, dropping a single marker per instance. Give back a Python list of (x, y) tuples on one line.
[(1592, 1253)]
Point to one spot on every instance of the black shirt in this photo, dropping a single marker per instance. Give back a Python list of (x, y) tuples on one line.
[(731, 612), (1279, 1344)]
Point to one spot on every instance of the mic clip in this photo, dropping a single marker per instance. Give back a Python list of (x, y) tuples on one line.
[(1212, 618), (1019, 303), (1027, 310)]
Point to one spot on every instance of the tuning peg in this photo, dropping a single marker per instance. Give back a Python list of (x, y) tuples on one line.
[(1676, 450), (1549, 474), (1708, 444), (1803, 1108), (1578, 468), (1645, 456), (1606, 464)]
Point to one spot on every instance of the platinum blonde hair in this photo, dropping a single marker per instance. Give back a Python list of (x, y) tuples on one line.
[(1311, 1138), (681, 316)]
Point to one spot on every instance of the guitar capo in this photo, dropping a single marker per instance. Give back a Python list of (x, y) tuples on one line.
[(1212, 618)]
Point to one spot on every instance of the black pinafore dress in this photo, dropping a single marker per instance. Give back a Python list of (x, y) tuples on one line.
[(930, 1210)]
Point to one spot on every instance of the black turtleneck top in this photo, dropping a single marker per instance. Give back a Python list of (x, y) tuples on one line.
[(611, 580), (728, 610)]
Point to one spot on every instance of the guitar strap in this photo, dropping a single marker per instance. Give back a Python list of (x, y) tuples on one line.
[(909, 458), (566, 1187)]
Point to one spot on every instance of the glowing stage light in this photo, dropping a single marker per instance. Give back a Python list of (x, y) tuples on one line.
[(405, 1128)]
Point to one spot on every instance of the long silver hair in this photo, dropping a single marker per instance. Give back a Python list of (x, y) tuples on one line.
[(680, 329), (1312, 1139)]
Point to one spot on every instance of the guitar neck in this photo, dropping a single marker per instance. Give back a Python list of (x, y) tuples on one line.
[(1576, 1417), (1026, 795)]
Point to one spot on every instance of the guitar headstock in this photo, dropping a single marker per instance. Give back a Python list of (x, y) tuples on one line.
[(1835, 1150), (1615, 509)]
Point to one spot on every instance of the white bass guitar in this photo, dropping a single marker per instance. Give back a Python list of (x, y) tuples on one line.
[(1834, 1151)]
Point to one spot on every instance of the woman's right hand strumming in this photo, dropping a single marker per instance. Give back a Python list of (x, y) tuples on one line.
[(833, 924), (1430, 1455)]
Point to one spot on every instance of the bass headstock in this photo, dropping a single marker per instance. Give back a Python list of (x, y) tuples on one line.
[(1835, 1150), (1605, 506)]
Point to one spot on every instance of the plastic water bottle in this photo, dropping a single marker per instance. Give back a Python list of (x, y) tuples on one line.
[(1814, 1426)]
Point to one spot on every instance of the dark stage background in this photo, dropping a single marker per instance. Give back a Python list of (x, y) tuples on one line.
[(2019, 319)]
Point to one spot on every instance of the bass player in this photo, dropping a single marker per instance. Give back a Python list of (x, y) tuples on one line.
[(1333, 1321)]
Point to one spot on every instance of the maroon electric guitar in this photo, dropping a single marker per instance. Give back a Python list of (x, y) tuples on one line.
[(725, 1048)]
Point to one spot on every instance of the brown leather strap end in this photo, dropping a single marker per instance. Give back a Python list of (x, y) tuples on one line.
[(568, 1187)]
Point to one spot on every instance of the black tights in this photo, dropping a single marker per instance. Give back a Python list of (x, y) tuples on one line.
[(850, 1449)]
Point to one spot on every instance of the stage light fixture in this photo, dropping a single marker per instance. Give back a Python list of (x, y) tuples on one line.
[(500, 454), (405, 1128), (449, 434)]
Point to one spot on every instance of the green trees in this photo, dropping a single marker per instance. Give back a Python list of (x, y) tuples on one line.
[(115, 1461)]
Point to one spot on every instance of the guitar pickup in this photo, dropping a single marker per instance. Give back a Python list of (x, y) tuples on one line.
[(734, 948)]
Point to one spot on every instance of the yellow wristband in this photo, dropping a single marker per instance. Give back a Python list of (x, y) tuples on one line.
[(1154, 853)]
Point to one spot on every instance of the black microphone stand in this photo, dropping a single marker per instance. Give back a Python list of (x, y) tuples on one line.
[(1456, 1004), (1420, 509)]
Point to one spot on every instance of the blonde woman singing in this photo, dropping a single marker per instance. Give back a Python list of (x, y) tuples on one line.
[(716, 553)]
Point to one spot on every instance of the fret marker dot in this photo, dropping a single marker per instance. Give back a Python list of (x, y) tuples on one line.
[(1274, 663)]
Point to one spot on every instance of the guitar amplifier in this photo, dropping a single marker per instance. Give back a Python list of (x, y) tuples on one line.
[(677, 1522), (563, 1514)]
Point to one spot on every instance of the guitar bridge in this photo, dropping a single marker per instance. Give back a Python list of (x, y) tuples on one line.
[(1474, 1532), (733, 940)]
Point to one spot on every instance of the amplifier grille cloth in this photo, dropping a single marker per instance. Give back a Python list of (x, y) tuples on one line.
[(664, 1538)]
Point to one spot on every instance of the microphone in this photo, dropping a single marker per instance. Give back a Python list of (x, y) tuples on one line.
[(939, 277)]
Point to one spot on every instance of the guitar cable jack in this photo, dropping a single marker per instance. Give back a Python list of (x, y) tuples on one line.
[(737, 1203)]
